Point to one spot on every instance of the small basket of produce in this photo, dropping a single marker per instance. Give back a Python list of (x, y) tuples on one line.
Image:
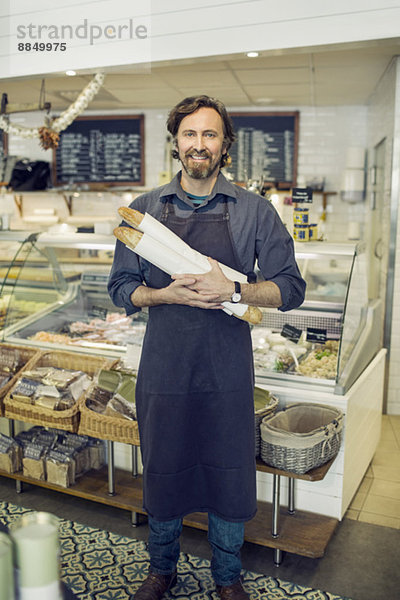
[(108, 409), (265, 405), (301, 437), (48, 389), (12, 360)]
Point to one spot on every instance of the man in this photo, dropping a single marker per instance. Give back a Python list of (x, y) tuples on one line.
[(194, 392)]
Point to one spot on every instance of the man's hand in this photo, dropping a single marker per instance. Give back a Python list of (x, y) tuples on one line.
[(212, 284), (185, 289)]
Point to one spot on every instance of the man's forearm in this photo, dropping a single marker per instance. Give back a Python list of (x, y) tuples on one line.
[(264, 293), (147, 296)]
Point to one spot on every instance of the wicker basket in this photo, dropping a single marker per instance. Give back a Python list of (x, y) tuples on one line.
[(271, 404), (106, 427), (62, 419), (302, 437), (26, 355)]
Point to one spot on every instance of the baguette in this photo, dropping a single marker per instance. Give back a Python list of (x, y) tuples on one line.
[(252, 315), (128, 236), (131, 237), (131, 216)]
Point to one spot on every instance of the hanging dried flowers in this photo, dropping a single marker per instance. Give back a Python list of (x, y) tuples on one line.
[(49, 135)]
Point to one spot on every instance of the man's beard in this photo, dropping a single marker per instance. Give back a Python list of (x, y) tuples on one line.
[(200, 170)]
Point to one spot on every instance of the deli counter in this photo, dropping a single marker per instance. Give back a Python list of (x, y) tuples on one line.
[(53, 294)]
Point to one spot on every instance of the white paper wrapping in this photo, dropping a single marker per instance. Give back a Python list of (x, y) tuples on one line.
[(162, 234)]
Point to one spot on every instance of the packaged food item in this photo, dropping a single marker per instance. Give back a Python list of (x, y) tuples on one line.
[(119, 407), (10, 454), (33, 462), (79, 444), (60, 469), (97, 453), (300, 216), (25, 390), (301, 233), (313, 232)]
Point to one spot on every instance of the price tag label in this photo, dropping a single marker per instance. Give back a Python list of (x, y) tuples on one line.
[(302, 195), (98, 312), (316, 335), (290, 332)]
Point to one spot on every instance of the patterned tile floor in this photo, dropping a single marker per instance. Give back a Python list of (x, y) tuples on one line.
[(377, 500)]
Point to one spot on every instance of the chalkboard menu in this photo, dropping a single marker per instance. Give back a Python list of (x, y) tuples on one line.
[(105, 149), (266, 146)]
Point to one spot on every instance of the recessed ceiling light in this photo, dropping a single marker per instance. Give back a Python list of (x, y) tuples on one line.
[(252, 54), (70, 73)]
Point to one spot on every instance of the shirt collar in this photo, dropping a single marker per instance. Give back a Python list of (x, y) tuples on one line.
[(222, 186)]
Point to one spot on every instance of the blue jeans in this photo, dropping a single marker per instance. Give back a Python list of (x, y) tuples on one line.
[(225, 537)]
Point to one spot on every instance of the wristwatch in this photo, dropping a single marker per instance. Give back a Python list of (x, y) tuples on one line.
[(237, 295)]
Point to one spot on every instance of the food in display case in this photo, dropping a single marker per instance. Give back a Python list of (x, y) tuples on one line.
[(274, 352), (21, 309), (114, 329), (321, 362)]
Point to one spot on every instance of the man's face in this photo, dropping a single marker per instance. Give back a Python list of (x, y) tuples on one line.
[(200, 142)]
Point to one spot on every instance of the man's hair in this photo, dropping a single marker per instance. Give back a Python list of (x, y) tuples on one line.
[(189, 105)]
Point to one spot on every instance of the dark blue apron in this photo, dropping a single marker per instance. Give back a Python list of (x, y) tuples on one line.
[(194, 394)]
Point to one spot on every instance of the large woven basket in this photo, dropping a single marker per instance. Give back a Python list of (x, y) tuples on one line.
[(302, 437), (26, 355), (106, 427), (271, 404), (38, 415)]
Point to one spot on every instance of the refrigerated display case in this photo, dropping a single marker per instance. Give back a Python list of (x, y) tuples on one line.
[(70, 272), (332, 337), (61, 283)]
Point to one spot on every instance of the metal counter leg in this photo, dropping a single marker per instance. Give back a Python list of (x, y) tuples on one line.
[(291, 508), (275, 505), (111, 481), (134, 461), (134, 519), (275, 516)]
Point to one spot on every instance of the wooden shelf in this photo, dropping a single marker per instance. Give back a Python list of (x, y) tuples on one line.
[(303, 533), (313, 475)]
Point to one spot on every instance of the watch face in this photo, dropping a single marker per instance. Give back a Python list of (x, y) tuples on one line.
[(236, 297)]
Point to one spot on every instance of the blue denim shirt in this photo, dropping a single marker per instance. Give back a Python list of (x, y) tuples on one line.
[(257, 232)]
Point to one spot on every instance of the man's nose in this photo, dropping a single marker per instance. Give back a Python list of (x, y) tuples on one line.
[(199, 143)]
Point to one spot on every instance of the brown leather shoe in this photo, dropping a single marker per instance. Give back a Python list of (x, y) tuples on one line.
[(232, 592), (155, 586)]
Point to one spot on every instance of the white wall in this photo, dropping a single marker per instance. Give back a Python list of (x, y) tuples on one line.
[(393, 101), (179, 29)]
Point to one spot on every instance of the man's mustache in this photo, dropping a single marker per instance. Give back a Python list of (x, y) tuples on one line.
[(198, 153)]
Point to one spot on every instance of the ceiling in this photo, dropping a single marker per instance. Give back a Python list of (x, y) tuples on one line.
[(341, 74)]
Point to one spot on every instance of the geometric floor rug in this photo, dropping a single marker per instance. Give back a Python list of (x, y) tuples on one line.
[(99, 565)]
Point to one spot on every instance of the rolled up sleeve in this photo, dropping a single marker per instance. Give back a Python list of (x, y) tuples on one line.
[(125, 276)]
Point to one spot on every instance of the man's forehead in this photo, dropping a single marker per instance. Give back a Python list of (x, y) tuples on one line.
[(202, 118)]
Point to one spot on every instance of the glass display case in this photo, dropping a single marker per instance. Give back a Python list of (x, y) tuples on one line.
[(60, 281), (332, 337)]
